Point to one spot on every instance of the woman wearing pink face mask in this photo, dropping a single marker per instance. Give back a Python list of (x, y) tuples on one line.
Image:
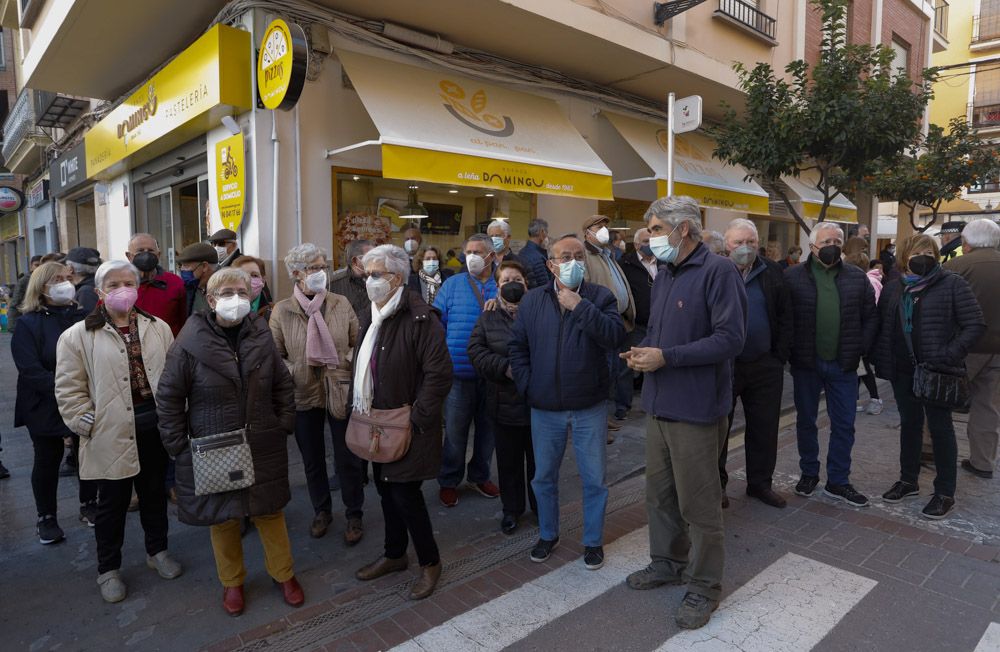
[(107, 370), (260, 295)]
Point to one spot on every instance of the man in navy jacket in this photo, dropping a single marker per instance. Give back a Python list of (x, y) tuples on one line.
[(697, 326), (559, 350), (533, 255)]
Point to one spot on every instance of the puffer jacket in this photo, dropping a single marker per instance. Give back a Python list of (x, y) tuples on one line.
[(317, 387), (33, 347), (559, 359), (95, 396), (412, 367), (459, 310), (947, 322), (488, 349), (207, 389), (858, 316)]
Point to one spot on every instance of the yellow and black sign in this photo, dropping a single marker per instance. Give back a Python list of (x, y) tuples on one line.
[(281, 65), (230, 180)]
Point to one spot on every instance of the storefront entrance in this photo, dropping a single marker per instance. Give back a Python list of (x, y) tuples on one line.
[(175, 213)]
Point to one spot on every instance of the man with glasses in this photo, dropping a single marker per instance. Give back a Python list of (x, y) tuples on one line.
[(226, 248), (835, 322), (197, 263)]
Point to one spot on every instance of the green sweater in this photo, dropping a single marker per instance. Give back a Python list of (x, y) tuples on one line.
[(827, 311)]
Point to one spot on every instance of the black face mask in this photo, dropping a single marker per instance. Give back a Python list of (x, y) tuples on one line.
[(829, 255), (646, 251), (512, 292), (145, 261), (922, 265)]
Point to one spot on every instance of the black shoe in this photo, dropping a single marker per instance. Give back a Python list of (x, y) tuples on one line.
[(695, 611), (846, 493), (899, 491), (725, 500), (621, 414), (806, 485), (543, 549), (938, 508), (49, 531), (88, 514), (593, 557), (966, 466), (508, 523), (4, 473)]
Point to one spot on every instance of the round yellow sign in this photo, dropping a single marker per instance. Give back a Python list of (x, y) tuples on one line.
[(281, 65)]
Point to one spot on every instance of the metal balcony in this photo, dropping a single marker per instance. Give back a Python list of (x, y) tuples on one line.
[(984, 116), (749, 17), (23, 141)]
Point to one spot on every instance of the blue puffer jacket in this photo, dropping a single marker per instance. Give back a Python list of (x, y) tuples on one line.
[(559, 359), (460, 309)]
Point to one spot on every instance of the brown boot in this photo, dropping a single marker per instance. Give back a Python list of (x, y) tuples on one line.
[(355, 530), (380, 567), (427, 582), (320, 525)]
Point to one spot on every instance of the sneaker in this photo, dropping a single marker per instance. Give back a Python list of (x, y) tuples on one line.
[(112, 587), (543, 549), (448, 496), (164, 565), (899, 491), (806, 485), (861, 408), (650, 578), (4, 473), (49, 531), (846, 493), (695, 611), (88, 514), (593, 557), (938, 508), (488, 489), (874, 406)]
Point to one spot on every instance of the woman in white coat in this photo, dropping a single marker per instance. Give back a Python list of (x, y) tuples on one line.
[(107, 370)]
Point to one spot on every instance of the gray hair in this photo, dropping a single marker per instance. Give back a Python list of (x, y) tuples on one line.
[(502, 224), (485, 239), (981, 234), (355, 248), (300, 256), (112, 266), (677, 210), (714, 241), (136, 236), (536, 227), (743, 223), (225, 276), (639, 235), (395, 259), (823, 226), (81, 268)]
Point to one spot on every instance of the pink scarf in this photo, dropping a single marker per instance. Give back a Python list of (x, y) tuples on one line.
[(320, 349)]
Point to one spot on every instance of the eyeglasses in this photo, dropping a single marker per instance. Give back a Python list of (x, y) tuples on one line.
[(312, 269), (377, 275), (565, 258), (229, 294)]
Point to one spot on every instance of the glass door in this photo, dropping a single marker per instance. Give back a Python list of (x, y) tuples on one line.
[(159, 222)]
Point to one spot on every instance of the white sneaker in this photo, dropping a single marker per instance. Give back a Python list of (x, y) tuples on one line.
[(165, 565), (861, 408), (112, 587), (874, 406)]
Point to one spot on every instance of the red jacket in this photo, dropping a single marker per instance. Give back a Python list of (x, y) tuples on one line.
[(165, 297)]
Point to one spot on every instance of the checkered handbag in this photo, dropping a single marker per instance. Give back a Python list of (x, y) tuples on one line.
[(221, 462)]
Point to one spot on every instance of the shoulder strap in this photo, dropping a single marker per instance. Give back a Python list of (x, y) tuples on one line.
[(907, 337), (475, 291)]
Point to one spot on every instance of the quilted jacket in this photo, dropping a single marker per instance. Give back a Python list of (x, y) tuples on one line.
[(459, 310), (488, 349)]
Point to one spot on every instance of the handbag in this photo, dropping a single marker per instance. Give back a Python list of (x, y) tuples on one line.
[(224, 462), (937, 385), (381, 436)]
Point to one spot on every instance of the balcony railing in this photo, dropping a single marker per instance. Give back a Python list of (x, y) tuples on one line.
[(985, 28), (941, 18), (20, 123), (748, 15), (985, 115)]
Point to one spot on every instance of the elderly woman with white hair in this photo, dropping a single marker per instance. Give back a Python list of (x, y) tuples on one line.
[(107, 371), (315, 332), (402, 362)]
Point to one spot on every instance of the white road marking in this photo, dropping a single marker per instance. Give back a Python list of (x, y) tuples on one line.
[(990, 642), (790, 605)]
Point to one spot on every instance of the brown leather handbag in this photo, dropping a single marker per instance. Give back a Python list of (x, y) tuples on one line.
[(381, 436)]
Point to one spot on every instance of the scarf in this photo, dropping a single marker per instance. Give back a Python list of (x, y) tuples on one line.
[(912, 286), (138, 382), (320, 349), (510, 308), (431, 285), (364, 387)]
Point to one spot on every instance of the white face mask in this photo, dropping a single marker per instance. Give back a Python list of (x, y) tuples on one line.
[(475, 263), (62, 293), (602, 235), (222, 252), (410, 246), (378, 289), (232, 309), (431, 267), (316, 282)]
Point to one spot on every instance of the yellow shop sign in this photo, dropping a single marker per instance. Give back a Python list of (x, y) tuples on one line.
[(281, 65), (208, 80), (230, 180)]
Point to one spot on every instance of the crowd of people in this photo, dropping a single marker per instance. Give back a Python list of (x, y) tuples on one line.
[(411, 362)]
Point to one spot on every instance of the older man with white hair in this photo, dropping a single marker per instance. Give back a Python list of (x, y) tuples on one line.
[(499, 233), (835, 323), (980, 266)]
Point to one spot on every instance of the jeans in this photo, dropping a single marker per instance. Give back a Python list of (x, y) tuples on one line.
[(514, 454), (49, 451), (549, 432), (466, 403), (841, 389), (758, 384), (405, 515), (911, 430), (310, 434), (227, 546), (624, 378)]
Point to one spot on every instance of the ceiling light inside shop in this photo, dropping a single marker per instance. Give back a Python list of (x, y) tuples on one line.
[(413, 210), (356, 178), (452, 192), (489, 194)]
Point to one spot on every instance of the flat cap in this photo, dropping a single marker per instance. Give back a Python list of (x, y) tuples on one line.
[(594, 220), (199, 252), (222, 235)]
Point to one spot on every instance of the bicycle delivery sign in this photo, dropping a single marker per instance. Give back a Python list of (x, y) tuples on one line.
[(230, 180)]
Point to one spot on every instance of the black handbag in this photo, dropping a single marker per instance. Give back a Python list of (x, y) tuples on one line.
[(937, 385)]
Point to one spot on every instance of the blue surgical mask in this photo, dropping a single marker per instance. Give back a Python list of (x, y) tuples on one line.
[(430, 267), (662, 249), (497, 243), (646, 251), (189, 278), (571, 273)]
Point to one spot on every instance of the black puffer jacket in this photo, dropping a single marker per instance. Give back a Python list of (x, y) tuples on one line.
[(488, 352), (206, 389), (779, 309), (947, 321), (641, 283), (858, 315)]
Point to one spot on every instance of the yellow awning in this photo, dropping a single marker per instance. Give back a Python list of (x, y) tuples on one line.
[(811, 200), (440, 127)]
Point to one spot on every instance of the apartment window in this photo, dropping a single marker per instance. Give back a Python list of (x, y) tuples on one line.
[(901, 52), (3, 50), (987, 23)]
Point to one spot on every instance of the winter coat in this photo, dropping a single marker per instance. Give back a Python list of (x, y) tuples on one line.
[(460, 308), (488, 349), (164, 296), (317, 387), (416, 284), (412, 367), (641, 284), (981, 268), (207, 389), (533, 257), (858, 316), (86, 294), (95, 396), (345, 284), (779, 309), (599, 273), (947, 322), (559, 359), (33, 347)]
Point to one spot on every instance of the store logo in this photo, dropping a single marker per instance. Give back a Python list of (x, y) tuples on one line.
[(139, 116), (474, 114), (68, 170)]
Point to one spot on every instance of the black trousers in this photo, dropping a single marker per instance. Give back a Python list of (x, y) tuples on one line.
[(405, 514), (514, 455), (758, 384), (310, 434), (869, 380), (49, 451), (911, 432), (115, 495)]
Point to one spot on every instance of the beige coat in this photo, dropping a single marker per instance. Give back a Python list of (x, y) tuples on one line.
[(599, 273), (95, 397), (317, 387)]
